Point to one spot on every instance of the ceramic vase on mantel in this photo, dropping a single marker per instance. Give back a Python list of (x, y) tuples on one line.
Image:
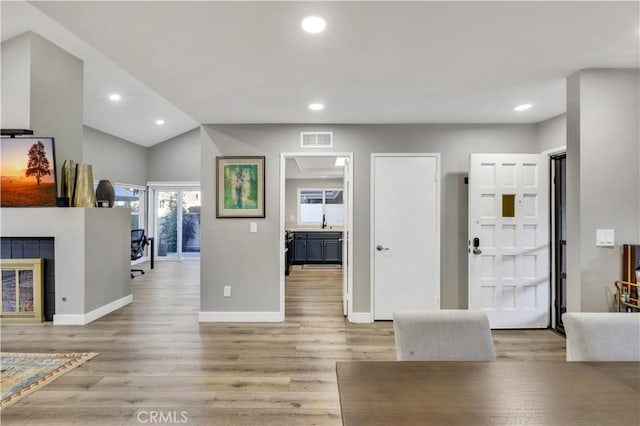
[(68, 182), (84, 195), (105, 194)]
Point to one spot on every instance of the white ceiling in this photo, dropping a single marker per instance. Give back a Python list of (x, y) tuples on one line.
[(134, 117), (313, 168), (377, 62)]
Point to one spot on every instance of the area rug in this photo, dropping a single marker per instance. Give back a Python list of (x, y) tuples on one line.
[(23, 373)]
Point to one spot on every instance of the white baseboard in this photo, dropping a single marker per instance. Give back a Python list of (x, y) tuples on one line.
[(82, 319), (240, 317), (361, 317), (68, 319)]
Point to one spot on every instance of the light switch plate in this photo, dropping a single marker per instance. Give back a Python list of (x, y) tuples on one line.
[(253, 227), (227, 291), (605, 237)]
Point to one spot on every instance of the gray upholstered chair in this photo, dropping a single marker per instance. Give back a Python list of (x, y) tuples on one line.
[(602, 336), (447, 335)]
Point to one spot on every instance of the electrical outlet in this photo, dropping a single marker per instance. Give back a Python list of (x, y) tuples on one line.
[(227, 291)]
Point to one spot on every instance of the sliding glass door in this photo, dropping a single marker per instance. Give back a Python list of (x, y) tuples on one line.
[(190, 238), (177, 223)]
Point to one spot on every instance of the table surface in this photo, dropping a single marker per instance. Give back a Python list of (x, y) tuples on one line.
[(489, 393)]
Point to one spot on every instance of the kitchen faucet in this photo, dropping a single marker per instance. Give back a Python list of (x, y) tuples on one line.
[(324, 221)]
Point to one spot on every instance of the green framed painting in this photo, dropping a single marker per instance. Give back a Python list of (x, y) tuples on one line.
[(240, 186)]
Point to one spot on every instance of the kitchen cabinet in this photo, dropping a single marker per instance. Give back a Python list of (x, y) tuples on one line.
[(317, 247), (299, 247)]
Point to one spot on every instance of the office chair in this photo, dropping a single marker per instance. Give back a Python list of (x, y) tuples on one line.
[(138, 243)]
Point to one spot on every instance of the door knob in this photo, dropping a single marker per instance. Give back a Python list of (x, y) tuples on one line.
[(380, 248), (476, 246)]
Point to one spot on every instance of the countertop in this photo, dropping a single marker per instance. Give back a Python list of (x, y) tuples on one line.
[(313, 229)]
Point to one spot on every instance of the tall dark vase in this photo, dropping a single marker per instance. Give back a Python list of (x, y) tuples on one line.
[(105, 194)]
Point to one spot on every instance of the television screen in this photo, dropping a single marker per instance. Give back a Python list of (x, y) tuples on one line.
[(27, 172)]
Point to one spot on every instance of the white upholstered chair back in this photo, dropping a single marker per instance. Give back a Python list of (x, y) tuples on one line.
[(602, 336), (446, 335)]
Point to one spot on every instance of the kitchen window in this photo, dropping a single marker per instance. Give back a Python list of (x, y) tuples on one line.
[(316, 204)]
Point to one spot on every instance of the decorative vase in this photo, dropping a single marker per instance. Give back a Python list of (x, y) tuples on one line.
[(68, 179), (105, 194), (84, 195)]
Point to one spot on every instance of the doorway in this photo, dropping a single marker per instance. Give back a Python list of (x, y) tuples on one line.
[(176, 222), (315, 211)]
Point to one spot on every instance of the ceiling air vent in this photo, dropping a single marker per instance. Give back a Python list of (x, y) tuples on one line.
[(316, 139)]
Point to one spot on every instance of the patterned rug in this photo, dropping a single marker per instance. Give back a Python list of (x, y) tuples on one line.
[(23, 373)]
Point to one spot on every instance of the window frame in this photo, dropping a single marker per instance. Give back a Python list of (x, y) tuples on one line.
[(142, 199), (324, 191)]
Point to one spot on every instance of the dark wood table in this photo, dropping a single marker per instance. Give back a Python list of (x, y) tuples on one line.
[(489, 393)]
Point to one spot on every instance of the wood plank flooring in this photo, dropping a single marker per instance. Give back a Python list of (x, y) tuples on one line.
[(158, 363)]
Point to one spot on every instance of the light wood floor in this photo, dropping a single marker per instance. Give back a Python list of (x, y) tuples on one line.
[(156, 357)]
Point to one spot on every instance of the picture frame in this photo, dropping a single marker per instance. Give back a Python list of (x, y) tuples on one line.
[(240, 187), (28, 169)]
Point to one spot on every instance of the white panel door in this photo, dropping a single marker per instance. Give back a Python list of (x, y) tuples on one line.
[(405, 233), (509, 217)]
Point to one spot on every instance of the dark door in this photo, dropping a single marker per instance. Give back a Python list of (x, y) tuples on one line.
[(559, 193)]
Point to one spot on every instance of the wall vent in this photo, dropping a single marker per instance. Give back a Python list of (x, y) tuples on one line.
[(316, 139)]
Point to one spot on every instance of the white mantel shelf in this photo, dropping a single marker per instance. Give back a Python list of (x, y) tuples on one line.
[(92, 256)]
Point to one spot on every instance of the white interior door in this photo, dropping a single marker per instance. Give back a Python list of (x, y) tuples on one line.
[(405, 233), (508, 214)]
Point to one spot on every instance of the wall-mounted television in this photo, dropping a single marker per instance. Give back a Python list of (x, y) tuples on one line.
[(27, 172)]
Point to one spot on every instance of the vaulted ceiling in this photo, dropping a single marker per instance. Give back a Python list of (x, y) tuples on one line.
[(376, 62)]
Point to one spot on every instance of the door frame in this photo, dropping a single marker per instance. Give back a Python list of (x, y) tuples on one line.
[(152, 208), (372, 251), (553, 319), (347, 281)]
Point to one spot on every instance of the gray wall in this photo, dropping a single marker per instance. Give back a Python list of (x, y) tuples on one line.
[(603, 180), (16, 85), (107, 240), (291, 195), (552, 133), (53, 106), (57, 98), (257, 286), (115, 159), (177, 159)]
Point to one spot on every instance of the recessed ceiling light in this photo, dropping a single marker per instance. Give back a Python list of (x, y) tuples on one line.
[(115, 97), (316, 107), (313, 24), (159, 122), (522, 107)]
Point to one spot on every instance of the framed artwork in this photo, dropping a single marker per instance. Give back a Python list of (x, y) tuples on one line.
[(240, 187), (28, 172)]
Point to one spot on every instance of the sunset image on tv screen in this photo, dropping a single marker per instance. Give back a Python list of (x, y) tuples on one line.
[(27, 172)]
